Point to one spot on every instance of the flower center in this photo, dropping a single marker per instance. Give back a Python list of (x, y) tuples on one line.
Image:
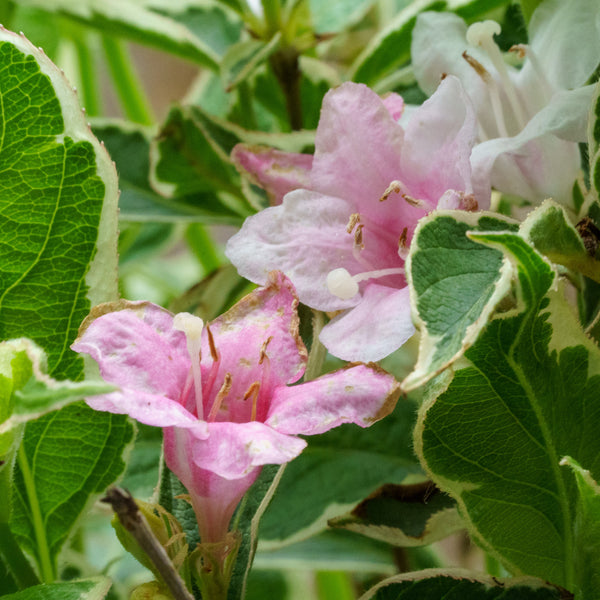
[(192, 326), (339, 281)]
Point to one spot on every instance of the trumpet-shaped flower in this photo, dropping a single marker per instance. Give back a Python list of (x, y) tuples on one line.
[(529, 119), (343, 240), (220, 392)]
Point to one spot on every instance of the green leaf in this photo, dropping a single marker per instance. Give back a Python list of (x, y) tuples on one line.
[(190, 162), (68, 457), (217, 27), (141, 476), (214, 294), (94, 588), (169, 489), (390, 48), (492, 432), (136, 22), (333, 17), (475, 10), (338, 469), (129, 147), (587, 532), (457, 284), (242, 60), (551, 233), (404, 515), (331, 550), (248, 517), (434, 584), (54, 169), (26, 392), (190, 165), (528, 7), (594, 142)]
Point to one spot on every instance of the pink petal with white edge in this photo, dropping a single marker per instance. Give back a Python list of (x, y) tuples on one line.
[(380, 324), (357, 154), (305, 238), (149, 409), (266, 316), (275, 171), (232, 450), (437, 144), (136, 348), (359, 394)]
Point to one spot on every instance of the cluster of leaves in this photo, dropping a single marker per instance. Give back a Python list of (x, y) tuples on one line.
[(502, 400)]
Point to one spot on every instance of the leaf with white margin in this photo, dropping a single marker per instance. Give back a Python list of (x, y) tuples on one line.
[(58, 208), (493, 431), (594, 142), (58, 237), (135, 21), (94, 588), (455, 286), (404, 515), (27, 392), (433, 584), (587, 531), (549, 230)]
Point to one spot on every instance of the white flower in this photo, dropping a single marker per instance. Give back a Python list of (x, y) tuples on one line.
[(530, 119)]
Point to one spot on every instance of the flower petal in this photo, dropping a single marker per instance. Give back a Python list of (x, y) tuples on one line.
[(359, 394), (565, 37), (213, 498), (438, 142), (357, 155), (275, 171), (305, 238), (264, 321), (232, 450), (150, 409), (438, 41), (133, 342), (380, 324), (535, 164)]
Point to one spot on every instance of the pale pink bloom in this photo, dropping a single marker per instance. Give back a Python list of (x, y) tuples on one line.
[(220, 392), (343, 240), (529, 119), (275, 171)]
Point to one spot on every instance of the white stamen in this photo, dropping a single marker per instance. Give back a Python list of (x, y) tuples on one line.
[(192, 326), (345, 286), (341, 284), (482, 35)]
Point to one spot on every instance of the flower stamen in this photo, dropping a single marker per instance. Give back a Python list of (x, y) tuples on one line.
[(192, 326), (214, 368), (482, 35), (345, 286), (263, 350), (403, 244), (493, 91), (253, 392), (221, 395)]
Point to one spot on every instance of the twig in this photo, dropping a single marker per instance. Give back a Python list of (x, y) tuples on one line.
[(134, 521)]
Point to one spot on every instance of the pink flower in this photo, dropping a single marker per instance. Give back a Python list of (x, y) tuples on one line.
[(220, 391), (276, 171), (343, 240)]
